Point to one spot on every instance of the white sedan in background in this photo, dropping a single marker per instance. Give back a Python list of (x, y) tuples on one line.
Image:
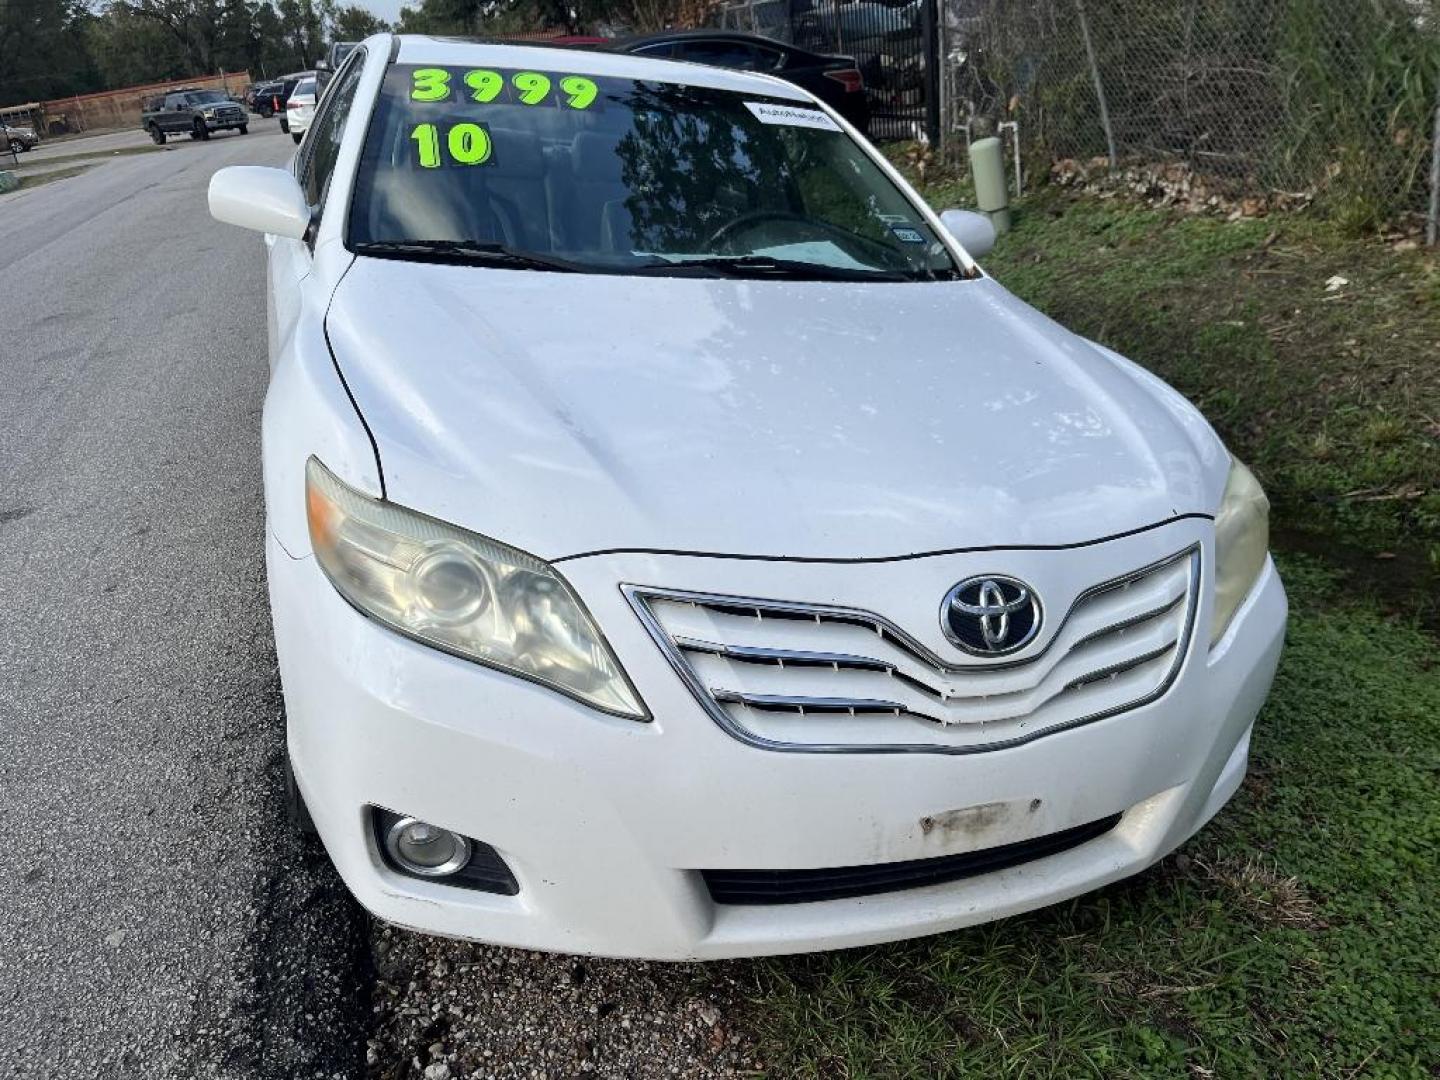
[(300, 108), (678, 547)]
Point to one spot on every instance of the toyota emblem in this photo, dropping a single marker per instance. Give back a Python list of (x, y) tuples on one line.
[(991, 615)]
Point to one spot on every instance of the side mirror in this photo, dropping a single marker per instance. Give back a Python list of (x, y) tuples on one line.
[(973, 231), (258, 197)]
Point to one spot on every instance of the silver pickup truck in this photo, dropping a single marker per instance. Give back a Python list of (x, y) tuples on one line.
[(192, 112)]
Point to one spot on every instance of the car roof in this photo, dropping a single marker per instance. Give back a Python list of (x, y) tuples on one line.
[(704, 35), (424, 49)]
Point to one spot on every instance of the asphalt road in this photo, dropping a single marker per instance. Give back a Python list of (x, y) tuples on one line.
[(157, 917)]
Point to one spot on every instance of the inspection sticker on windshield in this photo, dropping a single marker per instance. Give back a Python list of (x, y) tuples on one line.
[(791, 116)]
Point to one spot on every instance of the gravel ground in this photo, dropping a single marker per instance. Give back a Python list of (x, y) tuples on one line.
[(446, 1010)]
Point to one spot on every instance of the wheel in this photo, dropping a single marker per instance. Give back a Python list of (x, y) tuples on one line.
[(284, 124), (244, 129), (16, 146), (297, 137), (156, 135), (201, 131), (296, 811)]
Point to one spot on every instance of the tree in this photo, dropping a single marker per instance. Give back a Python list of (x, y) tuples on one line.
[(42, 50), (129, 49), (354, 23), (304, 25)]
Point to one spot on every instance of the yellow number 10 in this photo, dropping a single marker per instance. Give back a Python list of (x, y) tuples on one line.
[(468, 144)]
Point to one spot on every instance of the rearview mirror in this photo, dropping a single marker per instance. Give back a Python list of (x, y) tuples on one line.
[(973, 231), (261, 198)]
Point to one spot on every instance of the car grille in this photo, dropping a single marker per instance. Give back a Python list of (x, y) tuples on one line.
[(838, 883), (796, 676)]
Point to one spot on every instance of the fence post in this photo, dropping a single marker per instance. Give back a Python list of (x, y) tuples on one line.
[(930, 31), (1095, 77), (1432, 223)]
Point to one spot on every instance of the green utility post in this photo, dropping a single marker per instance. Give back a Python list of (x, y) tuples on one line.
[(987, 166)]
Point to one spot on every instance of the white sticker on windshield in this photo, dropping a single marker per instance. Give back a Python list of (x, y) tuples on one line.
[(791, 116)]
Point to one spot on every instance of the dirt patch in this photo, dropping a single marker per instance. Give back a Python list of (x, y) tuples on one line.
[(446, 1009)]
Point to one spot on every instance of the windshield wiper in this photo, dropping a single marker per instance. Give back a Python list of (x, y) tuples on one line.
[(479, 252), (767, 266)]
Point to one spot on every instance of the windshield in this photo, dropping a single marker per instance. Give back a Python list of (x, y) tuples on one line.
[(207, 97), (618, 176)]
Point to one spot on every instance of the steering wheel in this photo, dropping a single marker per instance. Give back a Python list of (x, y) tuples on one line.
[(843, 237)]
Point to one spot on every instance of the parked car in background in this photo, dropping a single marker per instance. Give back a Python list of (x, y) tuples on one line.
[(263, 98), (18, 139), (683, 553), (194, 112), (326, 67), (300, 108), (835, 80), (287, 85)]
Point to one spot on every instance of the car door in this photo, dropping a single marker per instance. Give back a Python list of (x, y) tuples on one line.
[(291, 264), (177, 112)]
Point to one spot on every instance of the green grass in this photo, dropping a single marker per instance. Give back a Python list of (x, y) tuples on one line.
[(1299, 933), (40, 179), (1332, 396), (90, 155)]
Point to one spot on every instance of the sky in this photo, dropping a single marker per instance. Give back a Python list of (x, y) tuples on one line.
[(389, 10)]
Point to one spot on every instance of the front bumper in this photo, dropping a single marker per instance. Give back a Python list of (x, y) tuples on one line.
[(605, 822)]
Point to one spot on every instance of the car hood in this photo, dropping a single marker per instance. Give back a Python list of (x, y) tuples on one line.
[(575, 413)]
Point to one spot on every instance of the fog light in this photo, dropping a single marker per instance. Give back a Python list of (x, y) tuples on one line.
[(428, 850)]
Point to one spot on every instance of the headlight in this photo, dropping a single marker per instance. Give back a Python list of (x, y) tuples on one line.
[(462, 593), (1242, 540)]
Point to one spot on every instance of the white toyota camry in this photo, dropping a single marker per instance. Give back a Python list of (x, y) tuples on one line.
[(679, 547)]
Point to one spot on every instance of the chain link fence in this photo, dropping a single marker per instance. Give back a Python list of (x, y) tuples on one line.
[(1335, 102)]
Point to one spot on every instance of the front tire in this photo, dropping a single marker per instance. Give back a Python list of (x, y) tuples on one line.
[(201, 131), (244, 129), (284, 125), (297, 137), (156, 135)]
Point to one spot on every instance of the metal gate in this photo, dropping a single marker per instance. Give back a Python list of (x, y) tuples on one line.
[(895, 44)]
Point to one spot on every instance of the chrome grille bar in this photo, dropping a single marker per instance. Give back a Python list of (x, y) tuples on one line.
[(1119, 646)]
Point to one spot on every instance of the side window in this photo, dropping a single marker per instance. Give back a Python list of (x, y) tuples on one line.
[(322, 144), (728, 54), (767, 59)]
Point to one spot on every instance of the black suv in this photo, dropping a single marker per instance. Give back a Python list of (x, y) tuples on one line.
[(192, 112), (261, 97)]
